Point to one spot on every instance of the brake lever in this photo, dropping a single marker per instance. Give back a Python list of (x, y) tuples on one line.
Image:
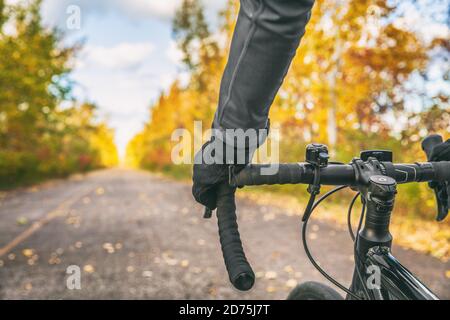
[(442, 199), (208, 213), (441, 190)]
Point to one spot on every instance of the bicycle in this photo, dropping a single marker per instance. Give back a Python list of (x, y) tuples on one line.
[(374, 177)]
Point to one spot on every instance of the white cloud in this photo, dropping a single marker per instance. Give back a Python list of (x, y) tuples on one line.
[(174, 53), (121, 56), (54, 11), (145, 8)]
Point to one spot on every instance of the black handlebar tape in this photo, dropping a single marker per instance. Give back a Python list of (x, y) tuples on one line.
[(337, 174), (239, 270), (429, 142), (442, 171), (292, 173)]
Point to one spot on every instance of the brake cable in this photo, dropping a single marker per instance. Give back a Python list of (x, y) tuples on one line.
[(349, 216), (308, 253), (355, 251)]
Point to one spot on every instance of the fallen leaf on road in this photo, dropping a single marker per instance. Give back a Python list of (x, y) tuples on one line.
[(171, 262), (88, 268), (184, 263), (54, 260), (11, 256), (167, 257), (100, 191), (130, 269), (271, 275), (27, 252), (271, 289), (288, 269), (147, 274), (108, 247), (291, 283), (313, 236), (212, 292), (78, 244), (21, 221), (447, 274)]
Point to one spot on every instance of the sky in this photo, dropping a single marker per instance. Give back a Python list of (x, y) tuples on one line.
[(128, 57)]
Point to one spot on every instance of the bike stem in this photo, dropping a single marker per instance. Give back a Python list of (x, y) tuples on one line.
[(378, 192), (379, 199)]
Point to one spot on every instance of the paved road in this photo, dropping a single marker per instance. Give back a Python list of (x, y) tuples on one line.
[(137, 236)]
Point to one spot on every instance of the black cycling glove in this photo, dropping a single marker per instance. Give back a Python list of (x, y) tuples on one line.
[(206, 178), (210, 172), (441, 152)]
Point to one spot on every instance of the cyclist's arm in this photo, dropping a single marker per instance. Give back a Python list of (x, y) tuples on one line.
[(265, 40)]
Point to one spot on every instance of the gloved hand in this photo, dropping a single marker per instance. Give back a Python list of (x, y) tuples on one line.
[(441, 152), (206, 178), (208, 175)]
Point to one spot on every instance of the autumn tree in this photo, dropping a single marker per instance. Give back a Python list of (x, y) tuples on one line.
[(38, 137), (351, 68)]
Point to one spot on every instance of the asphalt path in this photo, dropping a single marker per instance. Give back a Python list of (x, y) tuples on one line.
[(134, 235)]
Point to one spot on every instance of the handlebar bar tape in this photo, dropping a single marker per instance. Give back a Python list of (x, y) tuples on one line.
[(441, 171), (292, 173), (336, 174), (239, 270)]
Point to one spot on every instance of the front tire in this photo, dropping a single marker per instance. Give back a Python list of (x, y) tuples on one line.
[(313, 291)]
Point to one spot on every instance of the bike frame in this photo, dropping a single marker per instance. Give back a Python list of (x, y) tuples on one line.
[(384, 276), (395, 281)]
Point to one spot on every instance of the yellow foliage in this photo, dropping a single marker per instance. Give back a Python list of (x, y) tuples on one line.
[(349, 74)]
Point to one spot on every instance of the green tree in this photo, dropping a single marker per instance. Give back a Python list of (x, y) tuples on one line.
[(2, 14), (38, 137), (190, 30)]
